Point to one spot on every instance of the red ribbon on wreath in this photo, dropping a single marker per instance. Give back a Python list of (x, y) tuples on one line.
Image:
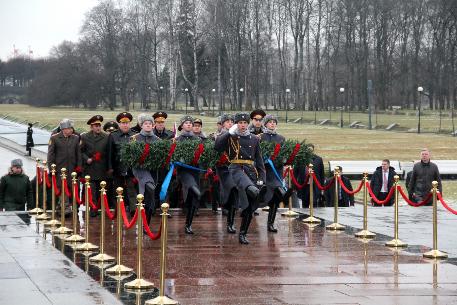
[(145, 153), (293, 154), (198, 154), (275, 152), (222, 160), (97, 156), (170, 153)]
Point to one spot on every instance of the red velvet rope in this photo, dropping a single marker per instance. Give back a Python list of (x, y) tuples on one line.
[(38, 176), (198, 154), (56, 189), (76, 193), (296, 183), (91, 202), (349, 192), (170, 153), (275, 152), (412, 203), (65, 186), (151, 235), (293, 154), (376, 200), (48, 182), (325, 187), (440, 198), (127, 224), (145, 153), (110, 215)]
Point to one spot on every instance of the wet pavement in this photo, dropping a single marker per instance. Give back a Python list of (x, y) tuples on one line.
[(298, 265)]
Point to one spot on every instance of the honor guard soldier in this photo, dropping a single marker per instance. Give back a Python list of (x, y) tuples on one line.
[(276, 190), (187, 177), (146, 182), (246, 167), (256, 126), (94, 153), (110, 126), (197, 129), (159, 128), (122, 175), (29, 141)]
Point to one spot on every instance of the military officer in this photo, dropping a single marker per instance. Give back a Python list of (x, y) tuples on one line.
[(187, 177), (256, 126), (110, 126), (197, 129), (122, 175), (159, 128), (246, 167)]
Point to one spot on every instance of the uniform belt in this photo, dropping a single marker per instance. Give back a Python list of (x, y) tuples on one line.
[(237, 161)]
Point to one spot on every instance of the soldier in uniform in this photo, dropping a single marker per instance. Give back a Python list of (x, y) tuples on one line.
[(246, 167), (197, 129), (110, 126), (276, 190), (146, 183), (188, 178), (94, 153), (122, 175), (64, 150), (29, 141), (256, 126), (159, 128)]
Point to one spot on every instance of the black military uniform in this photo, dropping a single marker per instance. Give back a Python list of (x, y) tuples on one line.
[(29, 142), (276, 191), (165, 134), (189, 179), (122, 175), (247, 169), (257, 114)]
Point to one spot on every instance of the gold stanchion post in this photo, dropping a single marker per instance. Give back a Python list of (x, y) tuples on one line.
[(397, 243), (75, 238), (119, 269), (365, 233), (53, 222), (290, 212), (62, 230), (162, 299), (435, 253), (87, 246), (102, 256), (44, 215), (311, 218), (139, 283), (335, 226), (37, 210)]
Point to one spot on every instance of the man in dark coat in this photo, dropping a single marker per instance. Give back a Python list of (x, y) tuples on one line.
[(29, 142), (424, 173), (122, 175), (247, 168), (15, 189), (344, 199), (382, 181), (159, 126), (256, 126)]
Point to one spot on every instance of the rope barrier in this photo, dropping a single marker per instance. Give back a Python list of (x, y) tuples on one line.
[(348, 191), (48, 182), (440, 197), (151, 235), (38, 175), (110, 215), (376, 200), (325, 187), (56, 189), (76, 193), (412, 203), (91, 202), (296, 183), (67, 191), (128, 224)]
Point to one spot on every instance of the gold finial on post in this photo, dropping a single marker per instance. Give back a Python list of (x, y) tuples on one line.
[(75, 238), (36, 210), (365, 233), (335, 226), (396, 242), (87, 246), (311, 219)]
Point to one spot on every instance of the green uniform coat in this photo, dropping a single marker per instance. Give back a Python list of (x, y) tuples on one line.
[(95, 146)]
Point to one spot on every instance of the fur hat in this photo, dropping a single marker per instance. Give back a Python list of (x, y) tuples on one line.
[(186, 118), (16, 163), (143, 117), (226, 117), (65, 123), (241, 116), (268, 118)]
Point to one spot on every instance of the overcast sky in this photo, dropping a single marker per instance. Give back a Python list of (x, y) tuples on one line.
[(40, 24)]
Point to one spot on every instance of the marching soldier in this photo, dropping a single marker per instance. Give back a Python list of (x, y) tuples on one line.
[(146, 182), (276, 191), (94, 152), (256, 116), (122, 175), (187, 177), (246, 167), (159, 128)]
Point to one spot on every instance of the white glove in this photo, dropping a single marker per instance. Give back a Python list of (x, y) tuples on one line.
[(233, 129)]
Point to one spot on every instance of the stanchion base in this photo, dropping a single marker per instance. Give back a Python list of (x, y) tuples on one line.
[(161, 301), (267, 208), (52, 223), (86, 247), (289, 213), (435, 254), (311, 226), (102, 257), (365, 234), (43, 216), (335, 227), (396, 243), (119, 269), (36, 211), (62, 230), (311, 219), (75, 238), (139, 284)]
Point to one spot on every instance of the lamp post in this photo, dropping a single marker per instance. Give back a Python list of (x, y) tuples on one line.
[(186, 91), (132, 94), (341, 107), (213, 100), (315, 107), (420, 90), (370, 90), (287, 103), (160, 96), (241, 98)]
